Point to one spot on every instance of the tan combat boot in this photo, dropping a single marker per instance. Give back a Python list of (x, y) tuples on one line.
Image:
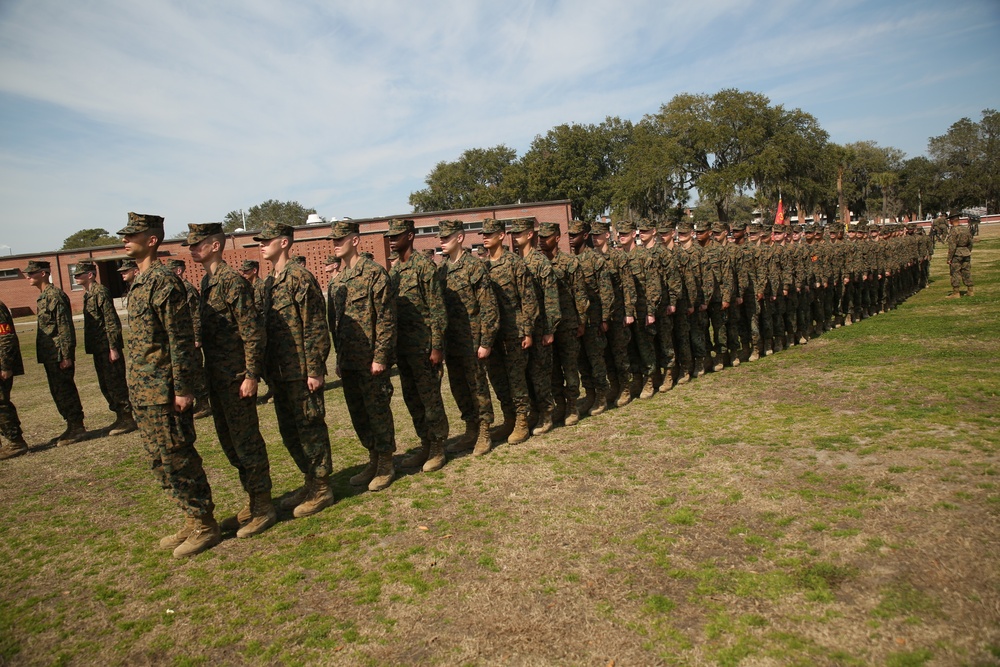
[(754, 355), (503, 431), (204, 535), (262, 515), (647, 388), (75, 432), (384, 474), (484, 442), (319, 499), (295, 498), (735, 356), (124, 424), (16, 447), (588, 401), (417, 458), (970, 292), (544, 423), (714, 364), (520, 432), (435, 460), (171, 542), (572, 417), (600, 405), (668, 381), (367, 474), (625, 397)]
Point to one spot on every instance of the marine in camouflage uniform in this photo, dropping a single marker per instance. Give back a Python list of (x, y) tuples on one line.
[(162, 374), (202, 406), (748, 328), (298, 344), (55, 342), (102, 338), (573, 306), (737, 278), (517, 302), (421, 313), (690, 264), (600, 294), (670, 293), (622, 314), (648, 291), (959, 257), (547, 293), (11, 365), (362, 309), (250, 270), (473, 324), (234, 343)]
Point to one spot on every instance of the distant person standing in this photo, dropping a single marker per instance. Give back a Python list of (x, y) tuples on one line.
[(959, 256), (11, 364), (162, 375), (55, 342), (102, 338)]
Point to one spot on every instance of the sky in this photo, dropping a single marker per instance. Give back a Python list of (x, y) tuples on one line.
[(193, 109)]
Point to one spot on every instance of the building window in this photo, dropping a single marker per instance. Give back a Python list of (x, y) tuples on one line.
[(9, 274)]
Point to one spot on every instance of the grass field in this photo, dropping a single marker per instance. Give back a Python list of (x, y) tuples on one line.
[(835, 504)]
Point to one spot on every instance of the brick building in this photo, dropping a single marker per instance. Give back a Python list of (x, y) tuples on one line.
[(310, 241)]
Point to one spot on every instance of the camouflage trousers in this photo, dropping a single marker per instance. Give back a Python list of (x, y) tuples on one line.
[(803, 311), (765, 317), (168, 437), (468, 378), (749, 322), (540, 374), (642, 350), (421, 384), (508, 365), (681, 331), (616, 353), (734, 316), (593, 359), (63, 389), (664, 341), (698, 333), (567, 360), (10, 425), (368, 399), (302, 423), (961, 272), (719, 337), (239, 433), (111, 380)]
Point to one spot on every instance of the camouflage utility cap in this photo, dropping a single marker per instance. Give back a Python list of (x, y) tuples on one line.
[(399, 227), (665, 228), (719, 227), (35, 265), (599, 228), (142, 222), (754, 228), (645, 225), (199, 232), (449, 227), (625, 226), (127, 265), (85, 267), (249, 265), (522, 225), (546, 229), (738, 226), (702, 226), (272, 230), (176, 264), (492, 226), (684, 227), (331, 259), (578, 227), (301, 259), (343, 228)]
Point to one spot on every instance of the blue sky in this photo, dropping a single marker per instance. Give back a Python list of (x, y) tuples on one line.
[(193, 109)]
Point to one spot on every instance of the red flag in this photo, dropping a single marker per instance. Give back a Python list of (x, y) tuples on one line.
[(779, 217)]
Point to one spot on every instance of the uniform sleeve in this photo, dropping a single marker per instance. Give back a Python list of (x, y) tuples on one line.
[(578, 286), (112, 325), (8, 340), (67, 332), (194, 302), (628, 286), (653, 283), (384, 298), (672, 277), (550, 294), (172, 305), (489, 314), (708, 283), (250, 323), (315, 331), (528, 314), (605, 288), (438, 314)]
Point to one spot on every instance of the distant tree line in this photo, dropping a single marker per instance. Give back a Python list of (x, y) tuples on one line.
[(737, 152)]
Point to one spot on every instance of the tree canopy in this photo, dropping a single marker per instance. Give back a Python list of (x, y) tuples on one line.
[(288, 212), (90, 238), (732, 151)]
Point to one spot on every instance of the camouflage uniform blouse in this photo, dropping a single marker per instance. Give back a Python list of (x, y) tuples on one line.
[(420, 310), (298, 340), (515, 293), (161, 353), (232, 326), (55, 339), (596, 279), (362, 308), (470, 301), (10, 347), (546, 291), (572, 291), (102, 329)]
